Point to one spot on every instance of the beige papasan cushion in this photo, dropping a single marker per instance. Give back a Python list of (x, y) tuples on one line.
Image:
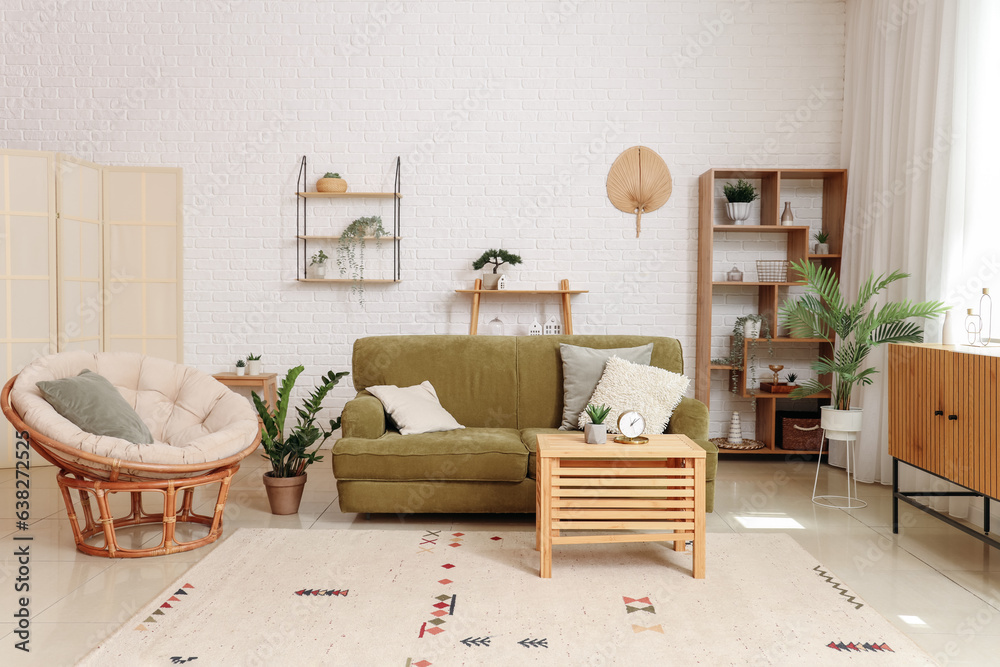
[(194, 419)]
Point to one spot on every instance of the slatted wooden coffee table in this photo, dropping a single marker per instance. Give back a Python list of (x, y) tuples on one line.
[(659, 486)]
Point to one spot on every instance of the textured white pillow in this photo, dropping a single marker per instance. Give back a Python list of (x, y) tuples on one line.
[(415, 409), (651, 391)]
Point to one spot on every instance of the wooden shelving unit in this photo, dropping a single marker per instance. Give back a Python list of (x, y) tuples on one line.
[(797, 248), (303, 237), (564, 291)]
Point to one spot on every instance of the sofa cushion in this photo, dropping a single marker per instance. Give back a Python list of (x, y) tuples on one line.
[(474, 376), (92, 403), (540, 378), (582, 369), (415, 409), (652, 392), (529, 436), (496, 454)]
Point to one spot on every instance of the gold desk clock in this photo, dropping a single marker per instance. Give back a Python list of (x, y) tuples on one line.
[(631, 425)]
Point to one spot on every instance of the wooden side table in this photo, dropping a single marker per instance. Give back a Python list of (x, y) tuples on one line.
[(653, 487), (267, 383)]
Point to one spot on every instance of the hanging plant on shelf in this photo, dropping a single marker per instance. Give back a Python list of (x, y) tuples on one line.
[(735, 359), (351, 250)]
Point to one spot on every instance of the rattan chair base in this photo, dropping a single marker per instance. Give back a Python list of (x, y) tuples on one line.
[(107, 524)]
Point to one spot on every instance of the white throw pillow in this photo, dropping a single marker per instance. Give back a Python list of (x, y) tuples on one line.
[(651, 391), (415, 409)]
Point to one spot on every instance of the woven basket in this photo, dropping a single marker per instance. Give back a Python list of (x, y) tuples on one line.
[(773, 270), (803, 435)]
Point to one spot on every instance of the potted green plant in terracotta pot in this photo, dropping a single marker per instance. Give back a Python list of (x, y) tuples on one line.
[(739, 197), (859, 327), (331, 182), (496, 257), (291, 454)]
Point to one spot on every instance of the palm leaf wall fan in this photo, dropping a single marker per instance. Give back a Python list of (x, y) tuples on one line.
[(639, 182)]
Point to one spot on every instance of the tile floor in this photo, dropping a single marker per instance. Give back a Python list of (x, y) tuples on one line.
[(936, 584)]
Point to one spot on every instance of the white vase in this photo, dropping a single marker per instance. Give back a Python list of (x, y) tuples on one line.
[(738, 211), (841, 425), (595, 434), (949, 330), (786, 216), (253, 367), (241, 370)]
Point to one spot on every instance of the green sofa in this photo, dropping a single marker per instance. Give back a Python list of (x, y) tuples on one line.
[(505, 390)]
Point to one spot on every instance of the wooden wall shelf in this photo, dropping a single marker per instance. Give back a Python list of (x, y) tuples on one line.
[(346, 280), (797, 248), (564, 291), (336, 195)]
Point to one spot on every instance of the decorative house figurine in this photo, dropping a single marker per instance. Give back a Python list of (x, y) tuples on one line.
[(735, 276), (502, 282), (552, 328), (535, 329)]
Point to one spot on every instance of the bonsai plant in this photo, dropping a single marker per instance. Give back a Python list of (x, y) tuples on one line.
[(596, 432), (290, 455), (253, 364), (859, 326), (331, 182), (735, 360), (821, 245), (351, 250), (739, 197), (319, 261), (241, 367), (496, 257)]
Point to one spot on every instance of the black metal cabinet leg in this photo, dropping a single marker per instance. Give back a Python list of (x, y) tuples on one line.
[(895, 498)]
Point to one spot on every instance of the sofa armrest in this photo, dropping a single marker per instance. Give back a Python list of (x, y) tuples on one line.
[(690, 419), (363, 417)]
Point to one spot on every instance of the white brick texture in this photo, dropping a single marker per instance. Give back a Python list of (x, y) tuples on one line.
[(507, 116)]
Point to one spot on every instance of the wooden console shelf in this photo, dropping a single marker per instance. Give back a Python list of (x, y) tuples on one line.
[(943, 420), (477, 292)]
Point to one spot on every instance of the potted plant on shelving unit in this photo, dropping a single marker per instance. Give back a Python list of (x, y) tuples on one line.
[(859, 327), (331, 182), (351, 250), (822, 247), (253, 364), (761, 330), (596, 432), (318, 264), (290, 455), (497, 258), (241, 367), (739, 198), (792, 377)]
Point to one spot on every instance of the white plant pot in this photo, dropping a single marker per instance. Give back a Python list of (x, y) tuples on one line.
[(738, 211), (751, 329), (595, 434), (318, 270), (253, 367), (490, 280), (840, 425), (241, 370), (822, 249)]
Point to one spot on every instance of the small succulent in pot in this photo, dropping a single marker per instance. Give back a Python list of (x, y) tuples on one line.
[(596, 432), (331, 182), (822, 247), (253, 364), (241, 367), (318, 260), (792, 377)]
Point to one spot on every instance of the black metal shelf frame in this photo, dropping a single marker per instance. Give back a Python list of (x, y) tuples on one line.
[(302, 224)]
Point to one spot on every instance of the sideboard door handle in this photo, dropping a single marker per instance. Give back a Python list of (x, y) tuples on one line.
[(953, 417), (938, 413)]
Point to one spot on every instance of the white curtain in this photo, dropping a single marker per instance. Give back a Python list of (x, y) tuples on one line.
[(917, 142)]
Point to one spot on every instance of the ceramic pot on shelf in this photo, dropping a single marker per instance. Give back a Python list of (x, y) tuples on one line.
[(822, 249), (786, 216), (738, 211), (253, 367), (241, 370), (490, 280), (331, 185)]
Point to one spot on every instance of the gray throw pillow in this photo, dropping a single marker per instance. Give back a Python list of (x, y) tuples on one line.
[(582, 370), (92, 403)]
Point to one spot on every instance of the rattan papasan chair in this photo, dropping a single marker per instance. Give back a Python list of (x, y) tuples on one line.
[(201, 431)]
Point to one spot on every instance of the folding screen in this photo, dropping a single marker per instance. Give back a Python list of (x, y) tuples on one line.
[(80, 255)]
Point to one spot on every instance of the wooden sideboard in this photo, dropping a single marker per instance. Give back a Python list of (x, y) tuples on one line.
[(944, 418)]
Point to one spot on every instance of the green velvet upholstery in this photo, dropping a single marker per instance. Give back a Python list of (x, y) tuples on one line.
[(505, 389), (467, 454)]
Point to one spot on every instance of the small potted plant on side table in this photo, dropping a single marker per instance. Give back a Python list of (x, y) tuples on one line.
[(596, 432), (241, 367), (497, 258), (739, 198), (253, 364), (290, 455)]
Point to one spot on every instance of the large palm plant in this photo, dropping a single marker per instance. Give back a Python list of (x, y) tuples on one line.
[(290, 456), (859, 329)]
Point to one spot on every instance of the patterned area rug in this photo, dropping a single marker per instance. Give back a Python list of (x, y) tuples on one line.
[(436, 598)]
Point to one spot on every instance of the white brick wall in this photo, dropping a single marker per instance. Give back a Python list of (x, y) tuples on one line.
[(507, 115)]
